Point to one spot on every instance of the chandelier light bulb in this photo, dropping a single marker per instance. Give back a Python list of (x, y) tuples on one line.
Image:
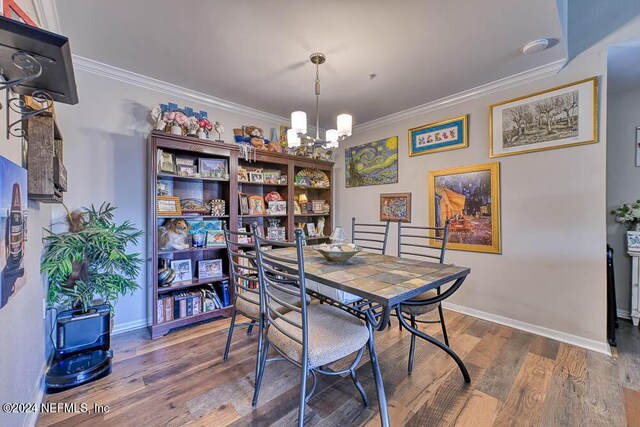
[(344, 125), (299, 122), (292, 138)]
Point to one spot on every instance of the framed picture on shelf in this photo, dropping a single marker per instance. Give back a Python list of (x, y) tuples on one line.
[(168, 206), (277, 208), (218, 207), (187, 170), (184, 161), (395, 207), (256, 205), (256, 177), (276, 233), (271, 177), (445, 135), (311, 229), (166, 162), (564, 116), (241, 237), (243, 175), (243, 203), (182, 269), (282, 179), (215, 238), (194, 206), (317, 206), (469, 198), (214, 168), (296, 208), (303, 181), (209, 268)]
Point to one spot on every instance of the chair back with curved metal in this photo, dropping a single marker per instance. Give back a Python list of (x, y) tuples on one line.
[(419, 241), (275, 282), (242, 268), (374, 235)]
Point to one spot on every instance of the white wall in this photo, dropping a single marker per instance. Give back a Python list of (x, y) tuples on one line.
[(105, 156), (551, 273), (623, 181)]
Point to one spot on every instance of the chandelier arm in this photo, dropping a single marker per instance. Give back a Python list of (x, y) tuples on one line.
[(317, 101)]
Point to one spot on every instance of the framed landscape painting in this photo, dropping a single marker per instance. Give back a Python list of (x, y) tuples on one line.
[(469, 198), (564, 116), (395, 207), (373, 163), (440, 136)]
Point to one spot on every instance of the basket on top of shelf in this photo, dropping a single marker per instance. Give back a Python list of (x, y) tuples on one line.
[(313, 178)]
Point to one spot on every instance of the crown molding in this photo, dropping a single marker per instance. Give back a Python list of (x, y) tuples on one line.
[(543, 71), (135, 79)]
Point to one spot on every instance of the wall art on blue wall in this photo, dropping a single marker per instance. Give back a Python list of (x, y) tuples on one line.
[(440, 136), (13, 236)]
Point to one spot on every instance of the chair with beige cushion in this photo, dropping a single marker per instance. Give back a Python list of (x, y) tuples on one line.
[(243, 274), (417, 241), (310, 336)]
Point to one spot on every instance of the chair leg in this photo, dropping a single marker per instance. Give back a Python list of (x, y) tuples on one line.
[(258, 358), (365, 401), (413, 345), (263, 362), (250, 328), (444, 328), (303, 391), (231, 326)]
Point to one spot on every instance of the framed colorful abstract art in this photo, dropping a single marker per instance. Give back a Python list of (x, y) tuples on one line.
[(373, 163), (395, 207), (469, 198), (445, 135)]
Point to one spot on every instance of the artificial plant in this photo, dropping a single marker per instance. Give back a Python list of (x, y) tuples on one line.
[(90, 260)]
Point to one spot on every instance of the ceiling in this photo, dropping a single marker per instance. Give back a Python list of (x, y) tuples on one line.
[(255, 53), (623, 67)]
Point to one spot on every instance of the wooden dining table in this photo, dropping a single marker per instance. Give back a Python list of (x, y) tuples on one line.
[(383, 282)]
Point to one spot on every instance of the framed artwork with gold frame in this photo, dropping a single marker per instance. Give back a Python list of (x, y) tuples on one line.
[(469, 198), (444, 135), (560, 117), (168, 206)]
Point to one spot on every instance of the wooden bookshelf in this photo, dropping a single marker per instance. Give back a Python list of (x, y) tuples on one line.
[(227, 189)]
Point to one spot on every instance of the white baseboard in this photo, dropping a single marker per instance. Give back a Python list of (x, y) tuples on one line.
[(38, 394), (129, 326), (589, 344), (624, 314)]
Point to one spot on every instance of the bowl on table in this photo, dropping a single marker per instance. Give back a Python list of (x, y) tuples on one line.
[(338, 252)]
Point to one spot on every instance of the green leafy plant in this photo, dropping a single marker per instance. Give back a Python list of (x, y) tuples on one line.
[(90, 260), (628, 214)]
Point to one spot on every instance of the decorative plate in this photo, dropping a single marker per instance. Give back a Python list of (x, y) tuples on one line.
[(273, 196), (318, 178)]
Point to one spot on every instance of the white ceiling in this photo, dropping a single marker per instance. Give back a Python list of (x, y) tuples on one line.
[(254, 52)]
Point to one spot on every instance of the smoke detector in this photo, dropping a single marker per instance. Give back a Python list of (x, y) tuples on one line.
[(535, 46)]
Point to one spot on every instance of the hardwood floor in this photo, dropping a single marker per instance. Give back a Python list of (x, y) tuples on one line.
[(517, 379)]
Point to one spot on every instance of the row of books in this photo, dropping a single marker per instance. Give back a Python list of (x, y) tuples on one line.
[(178, 305)]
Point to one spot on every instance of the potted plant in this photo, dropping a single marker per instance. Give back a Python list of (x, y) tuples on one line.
[(629, 214), (90, 260)]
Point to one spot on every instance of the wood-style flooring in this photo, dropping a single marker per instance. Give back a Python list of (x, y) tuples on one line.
[(517, 379)]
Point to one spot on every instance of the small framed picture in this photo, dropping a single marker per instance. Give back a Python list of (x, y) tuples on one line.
[(317, 206), (187, 170), (168, 206), (256, 177), (303, 181), (296, 208), (243, 201), (311, 229), (243, 175), (276, 233), (209, 268), (183, 161), (182, 269), (277, 208), (241, 237), (282, 179), (256, 205), (215, 238), (395, 207), (271, 177), (218, 207), (214, 168), (167, 162)]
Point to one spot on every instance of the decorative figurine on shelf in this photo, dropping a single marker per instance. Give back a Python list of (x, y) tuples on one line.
[(204, 128), (219, 130), (320, 227), (254, 136), (173, 235), (192, 126), (156, 116)]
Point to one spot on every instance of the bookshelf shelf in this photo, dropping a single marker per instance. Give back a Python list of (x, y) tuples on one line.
[(177, 286), (189, 178), (195, 216), (182, 251), (311, 214), (261, 184)]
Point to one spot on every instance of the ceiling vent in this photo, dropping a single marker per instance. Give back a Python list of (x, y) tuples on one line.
[(535, 46)]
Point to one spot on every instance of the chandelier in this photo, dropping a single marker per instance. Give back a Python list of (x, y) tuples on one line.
[(298, 132)]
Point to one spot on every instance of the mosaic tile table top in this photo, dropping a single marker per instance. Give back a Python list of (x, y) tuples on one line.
[(385, 279)]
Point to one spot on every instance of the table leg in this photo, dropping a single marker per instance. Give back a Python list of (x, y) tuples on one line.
[(447, 349), (382, 398)]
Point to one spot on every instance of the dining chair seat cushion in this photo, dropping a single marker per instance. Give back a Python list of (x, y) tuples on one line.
[(417, 310), (251, 308), (333, 334)]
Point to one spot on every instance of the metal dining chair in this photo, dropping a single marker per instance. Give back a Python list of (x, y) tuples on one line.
[(413, 242), (243, 274), (374, 235), (309, 336)]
